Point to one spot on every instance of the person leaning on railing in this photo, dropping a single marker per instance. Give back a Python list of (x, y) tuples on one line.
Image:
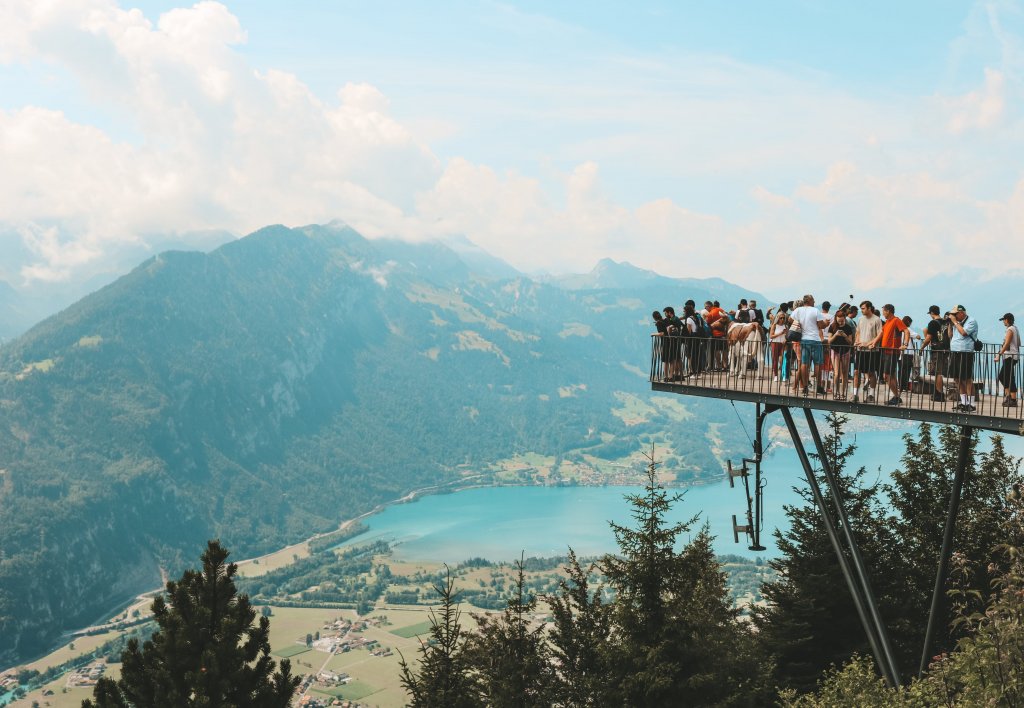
[(961, 355), (1010, 354)]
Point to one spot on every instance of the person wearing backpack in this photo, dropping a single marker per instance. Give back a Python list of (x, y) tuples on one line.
[(962, 346), (674, 356), (1010, 353), (936, 336), (695, 342)]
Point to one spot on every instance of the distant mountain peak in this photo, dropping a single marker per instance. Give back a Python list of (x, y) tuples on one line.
[(611, 269)]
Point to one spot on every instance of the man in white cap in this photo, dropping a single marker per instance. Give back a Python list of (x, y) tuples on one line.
[(961, 355)]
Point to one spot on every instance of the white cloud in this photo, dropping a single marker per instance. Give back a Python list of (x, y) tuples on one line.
[(890, 183), (223, 146), (979, 109)]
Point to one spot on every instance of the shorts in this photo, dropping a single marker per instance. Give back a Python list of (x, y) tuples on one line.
[(961, 365), (811, 352), (1006, 374), (889, 361), (938, 363), (867, 360)]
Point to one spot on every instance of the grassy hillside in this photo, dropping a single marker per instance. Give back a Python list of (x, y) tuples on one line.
[(286, 381)]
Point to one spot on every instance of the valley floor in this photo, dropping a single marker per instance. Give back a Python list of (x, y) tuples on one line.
[(369, 670)]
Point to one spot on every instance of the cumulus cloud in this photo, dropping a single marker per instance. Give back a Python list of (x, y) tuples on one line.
[(981, 108), (223, 146), (215, 143)]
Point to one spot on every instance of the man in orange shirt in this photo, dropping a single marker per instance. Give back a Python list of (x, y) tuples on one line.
[(719, 323), (895, 337)]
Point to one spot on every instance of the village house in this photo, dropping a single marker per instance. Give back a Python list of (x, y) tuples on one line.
[(332, 678), (86, 676)]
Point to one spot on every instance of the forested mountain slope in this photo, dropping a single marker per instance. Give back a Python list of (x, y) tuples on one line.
[(286, 381)]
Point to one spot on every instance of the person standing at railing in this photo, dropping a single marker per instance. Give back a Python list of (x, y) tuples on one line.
[(936, 336), (1010, 354), (826, 365), (894, 338), (851, 318), (811, 352), (779, 327), (755, 314), (869, 331), (961, 355), (909, 362), (674, 333), (695, 343), (718, 320), (740, 344), (840, 343), (663, 342)]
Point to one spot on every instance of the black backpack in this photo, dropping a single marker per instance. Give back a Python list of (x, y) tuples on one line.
[(703, 328)]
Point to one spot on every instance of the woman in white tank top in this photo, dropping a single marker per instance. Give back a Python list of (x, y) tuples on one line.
[(1010, 354), (779, 327)]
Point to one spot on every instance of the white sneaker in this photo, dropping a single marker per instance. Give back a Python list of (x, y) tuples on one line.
[(775, 379)]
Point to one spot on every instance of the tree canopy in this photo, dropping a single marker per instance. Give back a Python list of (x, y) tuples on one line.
[(209, 650)]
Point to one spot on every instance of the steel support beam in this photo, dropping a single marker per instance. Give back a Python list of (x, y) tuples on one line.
[(939, 593), (844, 563), (858, 561)]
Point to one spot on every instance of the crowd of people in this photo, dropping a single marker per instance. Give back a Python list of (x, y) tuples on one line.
[(851, 353)]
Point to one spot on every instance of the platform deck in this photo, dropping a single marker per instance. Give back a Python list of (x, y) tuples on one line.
[(736, 382)]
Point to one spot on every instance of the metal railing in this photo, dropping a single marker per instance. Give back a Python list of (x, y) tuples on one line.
[(923, 380)]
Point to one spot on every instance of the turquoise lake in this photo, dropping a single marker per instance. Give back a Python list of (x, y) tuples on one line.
[(498, 523)]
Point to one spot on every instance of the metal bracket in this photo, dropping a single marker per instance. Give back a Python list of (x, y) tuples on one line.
[(737, 529), (743, 471)]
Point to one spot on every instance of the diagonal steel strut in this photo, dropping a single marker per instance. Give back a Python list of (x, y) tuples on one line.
[(858, 560), (947, 544), (886, 666)]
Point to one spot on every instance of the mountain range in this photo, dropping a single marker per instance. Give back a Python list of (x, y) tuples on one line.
[(293, 378)]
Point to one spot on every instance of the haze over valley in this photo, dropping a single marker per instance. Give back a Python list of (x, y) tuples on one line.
[(297, 377)]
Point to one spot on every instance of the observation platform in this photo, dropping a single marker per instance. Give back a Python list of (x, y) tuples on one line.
[(744, 371)]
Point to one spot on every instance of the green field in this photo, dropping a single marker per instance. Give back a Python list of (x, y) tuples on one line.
[(352, 691), (412, 630), (291, 651)]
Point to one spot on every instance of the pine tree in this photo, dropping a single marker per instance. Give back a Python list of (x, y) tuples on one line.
[(721, 664), (512, 658), (675, 637), (810, 621), (645, 575), (919, 493), (444, 676), (206, 653), (578, 639), (986, 668)]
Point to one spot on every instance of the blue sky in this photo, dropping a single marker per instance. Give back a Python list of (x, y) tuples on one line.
[(552, 134)]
